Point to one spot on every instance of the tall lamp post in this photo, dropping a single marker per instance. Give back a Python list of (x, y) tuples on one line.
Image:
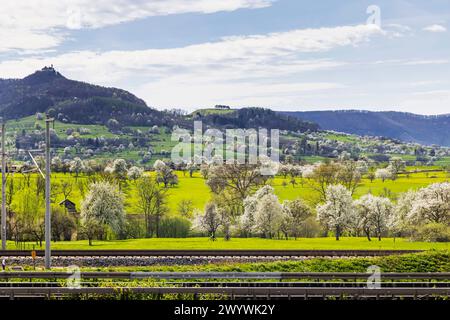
[(47, 194), (3, 224)]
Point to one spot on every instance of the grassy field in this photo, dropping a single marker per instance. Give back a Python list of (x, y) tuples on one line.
[(197, 191), (28, 123), (248, 243), (445, 161)]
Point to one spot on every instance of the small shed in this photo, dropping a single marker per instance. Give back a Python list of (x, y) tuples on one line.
[(70, 206)]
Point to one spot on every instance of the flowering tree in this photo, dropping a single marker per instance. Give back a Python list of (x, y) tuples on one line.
[(262, 212), (399, 221), (374, 214), (134, 173), (103, 205), (383, 174), (432, 204), (268, 216), (381, 212), (337, 211), (209, 221), (363, 210), (76, 166), (164, 174), (56, 163)]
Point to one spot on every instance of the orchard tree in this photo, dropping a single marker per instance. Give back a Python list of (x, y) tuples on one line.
[(268, 216), (383, 174), (76, 166), (321, 176), (238, 180), (229, 208), (134, 173), (164, 174), (294, 215), (400, 221), (104, 205), (191, 166), (349, 175), (374, 214), (265, 211), (363, 210), (56, 164), (337, 211), (185, 208), (396, 165), (432, 204), (241, 178), (381, 214), (209, 221), (118, 169), (250, 206)]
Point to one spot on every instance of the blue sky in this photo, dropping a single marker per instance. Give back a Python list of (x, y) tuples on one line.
[(282, 54)]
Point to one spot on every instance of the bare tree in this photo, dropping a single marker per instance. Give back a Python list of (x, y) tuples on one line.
[(185, 208), (237, 181), (152, 202)]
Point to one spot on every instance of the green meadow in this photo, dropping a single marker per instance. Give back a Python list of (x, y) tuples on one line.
[(196, 190), (329, 243)]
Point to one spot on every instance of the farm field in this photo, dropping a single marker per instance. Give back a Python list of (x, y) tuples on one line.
[(329, 243)]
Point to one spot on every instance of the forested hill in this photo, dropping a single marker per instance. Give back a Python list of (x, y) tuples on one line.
[(253, 118), (70, 101), (47, 90), (398, 125)]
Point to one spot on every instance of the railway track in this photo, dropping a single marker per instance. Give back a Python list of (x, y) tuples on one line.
[(207, 253), (268, 285), (228, 292), (361, 284)]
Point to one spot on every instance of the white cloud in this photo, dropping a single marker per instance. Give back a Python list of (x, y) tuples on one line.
[(435, 28), (254, 65), (425, 62), (260, 53), (395, 30), (399, 27), (34, 25)]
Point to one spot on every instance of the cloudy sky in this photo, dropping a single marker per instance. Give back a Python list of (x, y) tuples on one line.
[(282, 54)]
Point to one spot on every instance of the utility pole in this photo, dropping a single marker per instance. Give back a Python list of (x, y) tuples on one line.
[(47, 195), (3, 225)]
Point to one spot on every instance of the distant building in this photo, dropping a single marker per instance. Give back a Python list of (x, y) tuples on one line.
[(48, 68), (222, 107)]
